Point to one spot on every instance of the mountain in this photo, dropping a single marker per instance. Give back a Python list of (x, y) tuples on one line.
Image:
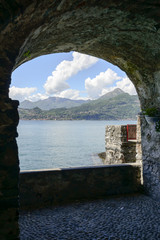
[(115, 105), (51, 102), (112, 94)]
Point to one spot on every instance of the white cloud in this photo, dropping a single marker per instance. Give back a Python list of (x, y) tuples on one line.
[(71, 94), (21, 93), (57, 82), (36, 97), (103, 83), (127, 86), (96, 85)]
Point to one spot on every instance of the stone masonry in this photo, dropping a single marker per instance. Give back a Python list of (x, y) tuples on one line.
[(138, 141), (60, 186), (9, 169), (118, 149)]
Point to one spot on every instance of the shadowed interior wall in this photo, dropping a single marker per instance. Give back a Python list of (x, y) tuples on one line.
[(51, 187)]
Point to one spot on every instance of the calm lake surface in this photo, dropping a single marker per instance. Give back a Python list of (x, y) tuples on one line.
[(60, 144)]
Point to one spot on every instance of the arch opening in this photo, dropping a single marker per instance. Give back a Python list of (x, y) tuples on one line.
[(84, 88)]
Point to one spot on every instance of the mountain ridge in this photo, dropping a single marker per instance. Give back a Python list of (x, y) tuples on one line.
[(57, 102), (51, 102), (113, 93), (116, 106)]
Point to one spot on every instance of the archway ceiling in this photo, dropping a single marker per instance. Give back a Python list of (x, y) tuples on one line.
[(126, 33)]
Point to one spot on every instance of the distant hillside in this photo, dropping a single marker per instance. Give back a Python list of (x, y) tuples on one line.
[(112, 106), (51, 102), (111, 94), (57, 102)]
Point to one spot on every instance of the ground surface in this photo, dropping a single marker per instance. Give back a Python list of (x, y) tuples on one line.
[(121, 218)]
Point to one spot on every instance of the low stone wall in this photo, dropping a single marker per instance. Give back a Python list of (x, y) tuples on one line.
[(51, 187)]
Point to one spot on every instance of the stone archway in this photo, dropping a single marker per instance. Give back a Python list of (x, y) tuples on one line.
[(125, 33)]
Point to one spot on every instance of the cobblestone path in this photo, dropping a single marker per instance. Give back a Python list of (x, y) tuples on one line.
[(122, 218)]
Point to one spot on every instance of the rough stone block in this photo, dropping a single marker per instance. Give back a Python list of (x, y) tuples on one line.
[(118, 148)]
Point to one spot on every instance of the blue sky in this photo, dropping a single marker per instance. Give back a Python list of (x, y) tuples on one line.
[(71, 75)]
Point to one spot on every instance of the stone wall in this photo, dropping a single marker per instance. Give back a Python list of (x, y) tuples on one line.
[(139, 141), (151, 159), (118, 149), (46, 188), (9, 162)]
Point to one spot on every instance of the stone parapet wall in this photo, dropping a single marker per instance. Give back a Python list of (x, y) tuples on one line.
[(118, 150), (139, 144), (52, 187)]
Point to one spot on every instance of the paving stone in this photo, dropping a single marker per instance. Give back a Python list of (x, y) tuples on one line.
[(121, 218)]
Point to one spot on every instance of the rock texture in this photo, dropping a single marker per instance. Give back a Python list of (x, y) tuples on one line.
[(139, 139), (151, 159), (126, 33), (118, 149), (9, 170)]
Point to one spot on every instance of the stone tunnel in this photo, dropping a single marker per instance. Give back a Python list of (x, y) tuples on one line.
[(125, 33)]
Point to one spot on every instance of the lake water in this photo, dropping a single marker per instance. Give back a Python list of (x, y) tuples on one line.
[(60, 144)]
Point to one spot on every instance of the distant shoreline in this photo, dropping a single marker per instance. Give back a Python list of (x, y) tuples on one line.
[(26, 119)]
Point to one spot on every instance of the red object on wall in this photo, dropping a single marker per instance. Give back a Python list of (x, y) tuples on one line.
[(131, 132)]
